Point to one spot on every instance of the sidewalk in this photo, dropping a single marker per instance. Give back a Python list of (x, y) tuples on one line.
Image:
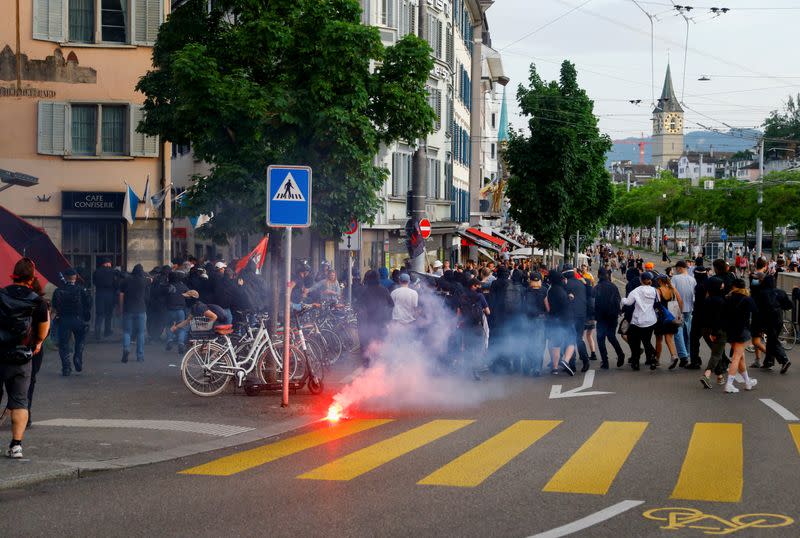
[(114, 415)]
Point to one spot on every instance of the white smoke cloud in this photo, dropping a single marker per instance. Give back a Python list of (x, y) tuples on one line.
[(419, 367)]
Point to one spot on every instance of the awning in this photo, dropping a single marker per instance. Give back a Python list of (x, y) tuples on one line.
[(504, 237), (481, 239), (485, 254)]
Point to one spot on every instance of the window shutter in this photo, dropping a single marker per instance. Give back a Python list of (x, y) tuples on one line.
[(439, 39), (412, 19), (48, 20), (449, 47), (437, 94), (147, 17), (390, 22), (52, 128), (141, 144)]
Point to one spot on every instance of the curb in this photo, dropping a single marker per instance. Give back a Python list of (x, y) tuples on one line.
[(79, 469)]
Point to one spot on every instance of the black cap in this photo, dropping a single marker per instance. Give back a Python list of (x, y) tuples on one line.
[(567, 267), (70, 272), (536, 276), (647, 275), (698, 261)]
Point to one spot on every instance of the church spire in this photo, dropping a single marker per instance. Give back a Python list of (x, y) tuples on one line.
[(668, 101)]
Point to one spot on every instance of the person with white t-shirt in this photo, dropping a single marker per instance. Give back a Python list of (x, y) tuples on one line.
[(406, 302)]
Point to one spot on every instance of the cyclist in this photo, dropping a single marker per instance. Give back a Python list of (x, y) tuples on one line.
[(213, 312)]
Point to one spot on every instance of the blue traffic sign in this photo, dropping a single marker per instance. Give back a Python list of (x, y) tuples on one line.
[(723, 234), (289, 196)]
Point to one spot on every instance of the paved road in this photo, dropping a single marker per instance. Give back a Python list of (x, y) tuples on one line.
[(515, 466)]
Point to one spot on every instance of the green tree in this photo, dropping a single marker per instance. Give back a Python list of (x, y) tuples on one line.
[(558, 182), (783, 125), (284, 82)]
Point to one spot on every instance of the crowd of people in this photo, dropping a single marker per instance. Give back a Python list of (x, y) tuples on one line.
[(516, 316)]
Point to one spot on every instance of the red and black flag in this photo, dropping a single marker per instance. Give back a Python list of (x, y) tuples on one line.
[(18, 239)]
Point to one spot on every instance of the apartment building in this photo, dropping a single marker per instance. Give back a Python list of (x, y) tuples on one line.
[(68, 69)]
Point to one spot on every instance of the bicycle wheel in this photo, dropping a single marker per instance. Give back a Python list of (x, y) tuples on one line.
[(206, 368), (314, 355), (788, 335), (267, 367), (333, 346)]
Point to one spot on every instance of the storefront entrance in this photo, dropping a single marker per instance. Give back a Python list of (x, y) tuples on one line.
[(86, 242)]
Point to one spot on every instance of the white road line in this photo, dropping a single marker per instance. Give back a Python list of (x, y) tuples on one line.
[(217, 430), (778, 408), (590, 520)]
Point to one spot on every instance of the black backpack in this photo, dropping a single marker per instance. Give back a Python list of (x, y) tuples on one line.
[(471, 310), (15, 326)]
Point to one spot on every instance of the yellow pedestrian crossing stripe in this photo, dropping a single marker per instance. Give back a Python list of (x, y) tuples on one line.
[(794, 429), (473, 467), (241, 461), (372, 457), (713, 466), (593, 468)]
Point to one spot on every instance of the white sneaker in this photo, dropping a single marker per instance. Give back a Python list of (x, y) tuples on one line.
[(751, 385), (730, 389), (15, 452)]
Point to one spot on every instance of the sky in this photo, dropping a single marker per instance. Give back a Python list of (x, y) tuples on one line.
[(746, 53)]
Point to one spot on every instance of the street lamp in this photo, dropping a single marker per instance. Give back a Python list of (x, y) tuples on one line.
[(10, 179)]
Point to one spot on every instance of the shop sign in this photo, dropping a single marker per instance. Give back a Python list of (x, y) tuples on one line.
[(109, 203)]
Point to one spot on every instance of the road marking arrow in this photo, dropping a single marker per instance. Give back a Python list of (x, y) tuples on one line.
[(588, 380)]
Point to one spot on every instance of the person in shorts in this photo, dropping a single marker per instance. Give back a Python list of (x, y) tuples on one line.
[(15, 373)]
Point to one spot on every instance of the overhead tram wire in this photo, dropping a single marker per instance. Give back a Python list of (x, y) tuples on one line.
[(542, 27), (664, 40), (760, 8), (652, 54)]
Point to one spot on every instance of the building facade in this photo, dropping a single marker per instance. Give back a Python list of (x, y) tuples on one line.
[(70, 111), (667, 125)]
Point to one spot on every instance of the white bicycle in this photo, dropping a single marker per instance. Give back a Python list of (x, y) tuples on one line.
[(215, 358)]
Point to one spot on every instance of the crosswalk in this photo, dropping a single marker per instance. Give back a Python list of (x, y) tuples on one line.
[(591, 469)]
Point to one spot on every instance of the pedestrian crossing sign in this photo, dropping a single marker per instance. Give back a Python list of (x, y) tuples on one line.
[(289, 196)]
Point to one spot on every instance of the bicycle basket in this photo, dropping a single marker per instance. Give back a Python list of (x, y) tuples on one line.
[(201, 324)]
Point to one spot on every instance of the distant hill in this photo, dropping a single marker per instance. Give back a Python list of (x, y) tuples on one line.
[(705, 141)]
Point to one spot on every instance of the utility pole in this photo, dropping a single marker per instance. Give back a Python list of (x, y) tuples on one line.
[(759, 224), (419, 172), (629, 181)]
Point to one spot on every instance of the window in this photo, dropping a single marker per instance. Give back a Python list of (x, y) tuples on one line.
[(387, 13), (84, 130), (493, 120), (113, 21), (92, 130), (401, 173), (434, 179), (492, 150), (98, 21), (435, 101), (81, 20), (113, 130)]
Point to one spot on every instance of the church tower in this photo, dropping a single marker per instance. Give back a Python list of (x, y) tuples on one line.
[(667, 125)]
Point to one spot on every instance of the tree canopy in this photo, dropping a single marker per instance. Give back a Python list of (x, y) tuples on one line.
[(558, 182), (301, 82), (782, 130), (732, 204)]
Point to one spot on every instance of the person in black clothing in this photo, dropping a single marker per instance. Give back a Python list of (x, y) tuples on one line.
[(176, 310), (560, 324), (105, 287), (739, 308), (712, 321), (607, 310), (197, 308), (16, 364), (699, 314), (505, 301), (256, 287), (156, 309), (771, 302), (534, 306), (374, 311), (579, 300), (73, 306), (472, 311), (133, 297), (721, 271)]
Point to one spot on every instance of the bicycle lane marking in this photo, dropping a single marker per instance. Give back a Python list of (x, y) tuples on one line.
[(784, 413), (691, 518), (589, 521)]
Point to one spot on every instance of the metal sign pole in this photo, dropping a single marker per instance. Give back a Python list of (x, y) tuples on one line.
[(287, 317), (349, 277)]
